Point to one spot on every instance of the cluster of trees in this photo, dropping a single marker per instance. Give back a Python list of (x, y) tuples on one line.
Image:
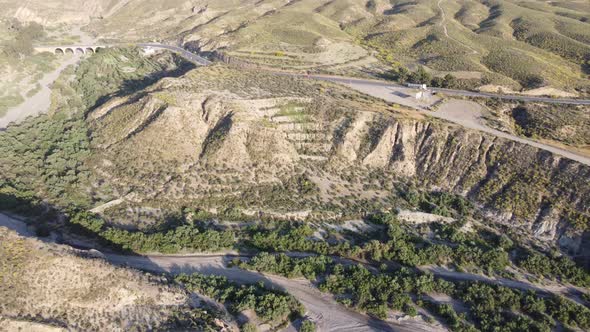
[(185, 237), (489, 306), (309, 267), (421, 76), (271, 306), (399, 245), (492, 306), (445, 311), (376, 294), (437, 202), (353, 285), (45, 155), (409, 249), (561, 267), (297, 238)]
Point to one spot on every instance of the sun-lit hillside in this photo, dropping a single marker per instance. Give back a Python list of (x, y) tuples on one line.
[(46, 286), (509, 43), (295, 165)]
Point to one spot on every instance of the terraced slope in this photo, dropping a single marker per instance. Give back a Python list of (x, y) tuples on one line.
[(312, 150)]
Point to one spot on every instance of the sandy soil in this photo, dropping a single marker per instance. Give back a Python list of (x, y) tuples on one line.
[(544, 91), (16, 325), (548, 91), (40, 102), (417, 217), (329, 315)]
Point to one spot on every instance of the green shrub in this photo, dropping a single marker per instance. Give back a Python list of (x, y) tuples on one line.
[(307, 326), (270, 305)]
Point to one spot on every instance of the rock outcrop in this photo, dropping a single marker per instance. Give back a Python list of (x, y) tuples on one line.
[(214, 138)]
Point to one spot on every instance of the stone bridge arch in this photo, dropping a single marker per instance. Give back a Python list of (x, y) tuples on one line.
[(71, 49)]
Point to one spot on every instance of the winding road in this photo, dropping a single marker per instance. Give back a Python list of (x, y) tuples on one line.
[(467, 114), (195, 58), (330, 315), (464, 113)]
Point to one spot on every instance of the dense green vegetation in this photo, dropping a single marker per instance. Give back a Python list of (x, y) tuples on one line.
[(274, 307), (447, 314), (398, 244), (121, 71), (181, 238), (561, 267), (47, 155), (483, 251), (307, 326), (308, 267), (489, 306), (421, 76), (493, 306)]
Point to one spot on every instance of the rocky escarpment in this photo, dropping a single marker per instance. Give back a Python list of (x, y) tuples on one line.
[(215, 139), (517, 183)]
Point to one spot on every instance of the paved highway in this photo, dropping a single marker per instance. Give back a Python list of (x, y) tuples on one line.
[(343, 79), (464, 114), (451, 92), (190, 56)]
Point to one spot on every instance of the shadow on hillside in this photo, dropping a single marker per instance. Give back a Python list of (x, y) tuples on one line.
[(129, 87)]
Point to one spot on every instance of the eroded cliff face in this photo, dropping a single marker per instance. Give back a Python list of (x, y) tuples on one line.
[(516, 183), (300, 147)]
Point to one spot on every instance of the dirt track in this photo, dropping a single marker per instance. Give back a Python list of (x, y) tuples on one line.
[(321, 307), (329, 315), (39, 102)]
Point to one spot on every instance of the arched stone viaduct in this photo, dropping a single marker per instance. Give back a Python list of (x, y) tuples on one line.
[(70, 49), (87, 49)]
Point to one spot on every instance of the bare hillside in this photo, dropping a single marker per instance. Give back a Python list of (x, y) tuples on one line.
[(507, 44), (46, 287)]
